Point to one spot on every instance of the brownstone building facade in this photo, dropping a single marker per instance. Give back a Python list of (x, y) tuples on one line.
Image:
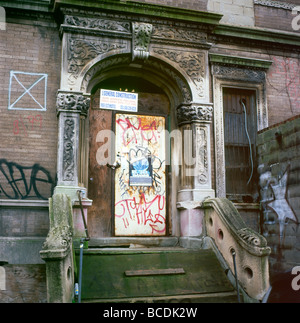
[(213, 78)]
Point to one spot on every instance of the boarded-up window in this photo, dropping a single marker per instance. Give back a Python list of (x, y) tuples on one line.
[(240, 129)]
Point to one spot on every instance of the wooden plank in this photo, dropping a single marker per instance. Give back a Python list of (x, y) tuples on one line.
[(24, 284), (100, 176), (154, 272)]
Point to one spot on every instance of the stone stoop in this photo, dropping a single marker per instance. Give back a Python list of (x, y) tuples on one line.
[(149, 275)]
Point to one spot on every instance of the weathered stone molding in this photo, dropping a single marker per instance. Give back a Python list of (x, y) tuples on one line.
[(178, 34), (166, 70), (72, 102), (145, 12), (82, 51), (57, 251), (261, 37), (58, 238), (192, 63), (188, 113), (99, 24), (124, 60), (70, 105), (275, 4), (242, 62), (202, 155), (68, 150), (229, 233), (100, 67), (141, 37), (91, 40), (238, 73), (194, 120)]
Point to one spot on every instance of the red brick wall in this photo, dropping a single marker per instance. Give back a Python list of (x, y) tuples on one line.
[(28, 137), (283, 88), (273, 18)]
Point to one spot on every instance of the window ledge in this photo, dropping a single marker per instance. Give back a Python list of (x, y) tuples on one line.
[(24, 203)]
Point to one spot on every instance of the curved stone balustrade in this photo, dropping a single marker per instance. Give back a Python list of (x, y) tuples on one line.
[(224, 225)]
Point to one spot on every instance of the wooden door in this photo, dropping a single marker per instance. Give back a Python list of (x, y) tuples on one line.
[(104, 181), (100, 176), (140, 179)]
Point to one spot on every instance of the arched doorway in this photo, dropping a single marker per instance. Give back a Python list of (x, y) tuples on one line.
[(120, 206)]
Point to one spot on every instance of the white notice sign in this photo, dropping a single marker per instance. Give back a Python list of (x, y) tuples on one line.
[(117, 100)]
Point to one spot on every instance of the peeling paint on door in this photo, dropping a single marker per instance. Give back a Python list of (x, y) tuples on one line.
[(140, 181)]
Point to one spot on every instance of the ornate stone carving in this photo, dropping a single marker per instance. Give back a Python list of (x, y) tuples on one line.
[(112, 61), (188, 113), (141, 37), (275, 4), (72, 102), (192, 63), (197, 118), (179, 34), (58, 238), (236, 73), (68, 153), (97, 24), (125, 60), (252, 238), (80, 52), (202, 153)]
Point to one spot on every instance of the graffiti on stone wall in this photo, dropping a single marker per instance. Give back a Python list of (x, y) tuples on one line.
[(275, 198), (24, 182)]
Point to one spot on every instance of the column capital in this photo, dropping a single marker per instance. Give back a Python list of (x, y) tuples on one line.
[(75, 102), (194, 113)]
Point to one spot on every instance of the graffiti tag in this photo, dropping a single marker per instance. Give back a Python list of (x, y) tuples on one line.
[(23, 182), (142, 212), (133, 130), (21, 125)]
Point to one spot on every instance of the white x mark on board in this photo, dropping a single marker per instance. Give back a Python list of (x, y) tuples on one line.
[(36, 78)]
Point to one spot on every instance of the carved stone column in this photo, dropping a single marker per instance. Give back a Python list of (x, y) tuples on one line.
[(194, 120), (70, 106)]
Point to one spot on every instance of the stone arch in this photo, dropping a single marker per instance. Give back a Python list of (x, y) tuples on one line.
[(154, 70)]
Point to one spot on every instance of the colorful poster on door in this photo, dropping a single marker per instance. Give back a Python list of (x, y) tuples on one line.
[(140, 181)]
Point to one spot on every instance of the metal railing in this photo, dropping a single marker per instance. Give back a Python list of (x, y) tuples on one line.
[(82, 240)]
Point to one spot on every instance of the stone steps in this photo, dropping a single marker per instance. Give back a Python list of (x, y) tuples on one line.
[(164, 275)]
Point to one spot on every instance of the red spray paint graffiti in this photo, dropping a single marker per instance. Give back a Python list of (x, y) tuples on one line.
[(135, 128), (22, 125), (140, 190), (140, 212)]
